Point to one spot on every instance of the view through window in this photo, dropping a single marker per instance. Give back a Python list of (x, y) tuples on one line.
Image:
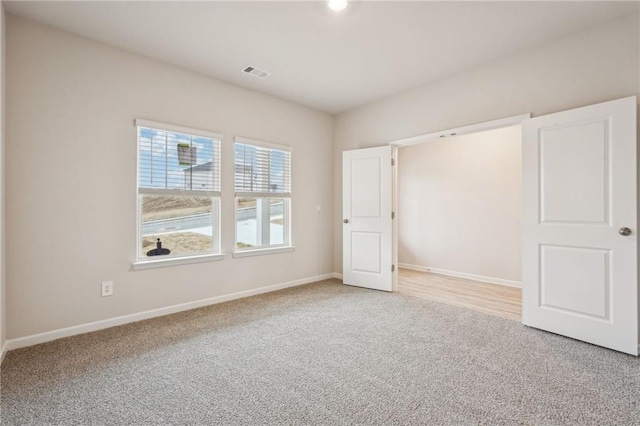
[(178, 190), (263, 194)]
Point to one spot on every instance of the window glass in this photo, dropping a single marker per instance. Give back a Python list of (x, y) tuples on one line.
[(263, 195), (184, 225), (178, 191)]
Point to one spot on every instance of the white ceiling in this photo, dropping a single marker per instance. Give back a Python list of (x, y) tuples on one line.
[(325, 60)]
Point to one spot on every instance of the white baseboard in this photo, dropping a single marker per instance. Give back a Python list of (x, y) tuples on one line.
[(337, 275), (473, 277), (48, 336), (3, 352)]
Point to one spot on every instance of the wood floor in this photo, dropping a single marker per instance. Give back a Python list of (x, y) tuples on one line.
[(494, 299)]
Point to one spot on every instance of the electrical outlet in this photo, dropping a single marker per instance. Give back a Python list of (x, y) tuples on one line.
[(107, 288)]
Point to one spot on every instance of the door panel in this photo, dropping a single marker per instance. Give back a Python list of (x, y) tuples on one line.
[(365, 187), (569, 271), (580, 275), (575, 170), (367, 203), (366, 248)]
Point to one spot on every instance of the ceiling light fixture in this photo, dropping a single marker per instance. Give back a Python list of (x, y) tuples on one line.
[(337, 5)]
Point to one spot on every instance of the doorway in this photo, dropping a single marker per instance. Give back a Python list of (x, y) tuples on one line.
[(579, 220), (459, 203)]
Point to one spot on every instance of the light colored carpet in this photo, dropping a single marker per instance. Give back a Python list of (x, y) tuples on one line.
[(323, 353)]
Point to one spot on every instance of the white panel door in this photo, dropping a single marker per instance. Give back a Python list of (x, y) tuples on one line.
[(367, 224), (580, 264)]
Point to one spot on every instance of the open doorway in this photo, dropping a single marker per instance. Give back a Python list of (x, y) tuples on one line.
[(579, 214), (459, 227)]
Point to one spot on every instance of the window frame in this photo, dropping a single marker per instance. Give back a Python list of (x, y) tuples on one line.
[(262, 196), (144, 262)]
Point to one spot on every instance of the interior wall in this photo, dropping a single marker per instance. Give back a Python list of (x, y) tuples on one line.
[(71, 180), (593, 66), (460, 204), (3, 297)]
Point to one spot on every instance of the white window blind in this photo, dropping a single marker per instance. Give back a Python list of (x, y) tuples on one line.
[(177, 160), (261, 169)]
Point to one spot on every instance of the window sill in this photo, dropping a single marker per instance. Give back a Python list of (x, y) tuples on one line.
[(174, 261), (262, 251)]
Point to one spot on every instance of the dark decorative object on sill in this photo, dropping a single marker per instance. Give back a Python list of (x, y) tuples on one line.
[(158, 250)]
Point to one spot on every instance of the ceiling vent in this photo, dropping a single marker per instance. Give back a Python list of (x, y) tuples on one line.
[(256, 72)]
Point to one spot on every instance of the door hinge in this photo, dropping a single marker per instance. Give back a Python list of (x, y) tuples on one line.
[(393, 215), (393, 268), (393, 162)]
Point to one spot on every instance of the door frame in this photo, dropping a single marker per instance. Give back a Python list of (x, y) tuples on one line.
[(430, 137)]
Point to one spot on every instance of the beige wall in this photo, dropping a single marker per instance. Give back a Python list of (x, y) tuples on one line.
[(70, 174), (71, 180), (460, 204), (3, 298), (594, 66)]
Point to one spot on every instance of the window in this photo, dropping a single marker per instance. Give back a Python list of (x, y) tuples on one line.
[(178, 191), (263, 195)]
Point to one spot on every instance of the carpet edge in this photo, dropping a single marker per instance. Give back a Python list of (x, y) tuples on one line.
[(3, 352), (47, 336)]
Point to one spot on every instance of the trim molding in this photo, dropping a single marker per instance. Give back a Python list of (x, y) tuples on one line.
[(473, 277), (175, 261), (35, 339), (3, 352), (140, 122), (337, 275), (262, 251), (464, 130)]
